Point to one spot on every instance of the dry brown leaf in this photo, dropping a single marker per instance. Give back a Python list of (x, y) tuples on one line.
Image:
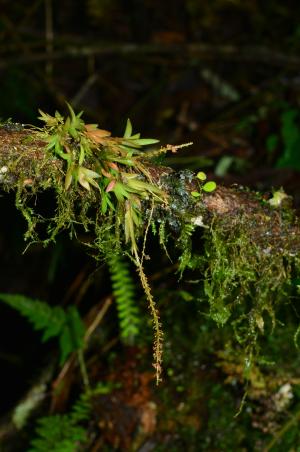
[(113, 166), (111, 186), (95, 134)]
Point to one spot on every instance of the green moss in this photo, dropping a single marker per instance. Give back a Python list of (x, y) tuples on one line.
[(242, 277)]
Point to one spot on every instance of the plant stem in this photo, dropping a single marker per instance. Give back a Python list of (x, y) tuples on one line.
[(83, 369)]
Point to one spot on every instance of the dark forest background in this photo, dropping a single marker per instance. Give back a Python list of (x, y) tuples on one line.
[(222, 74)]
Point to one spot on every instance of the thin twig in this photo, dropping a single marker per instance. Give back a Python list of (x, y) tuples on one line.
[(83, 369), (98, 319), (91, 80), (190, 51)]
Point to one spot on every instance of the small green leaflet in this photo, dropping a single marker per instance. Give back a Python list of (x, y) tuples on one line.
[(209, 187), (134, 140), (201, 175)]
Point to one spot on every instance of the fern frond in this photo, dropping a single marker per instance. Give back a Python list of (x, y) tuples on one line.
[(81, 410), (53, 321), (124, 293), (40, 314), (64, 432), (58, 433)]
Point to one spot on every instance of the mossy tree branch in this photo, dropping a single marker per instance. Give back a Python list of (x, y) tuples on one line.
[(24, 160), (250, 256)]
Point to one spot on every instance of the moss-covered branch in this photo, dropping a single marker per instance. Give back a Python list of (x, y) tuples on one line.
[(25, 164), (249, 258)]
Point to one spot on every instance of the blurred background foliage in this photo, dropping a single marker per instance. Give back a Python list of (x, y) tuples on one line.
[(223, 74)]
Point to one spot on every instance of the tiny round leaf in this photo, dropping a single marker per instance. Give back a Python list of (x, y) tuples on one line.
[(209, 186), (201, 175)]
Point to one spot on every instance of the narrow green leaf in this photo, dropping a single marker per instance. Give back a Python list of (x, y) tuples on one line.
[(81, 155), (120, 191), (90, 173), (145, 141), (69, 177), (66, 125), (128, 129), (58, 116), (131, 143), (104, 204)]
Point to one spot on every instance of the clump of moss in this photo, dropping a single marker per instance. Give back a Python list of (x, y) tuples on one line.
[(243, 277)]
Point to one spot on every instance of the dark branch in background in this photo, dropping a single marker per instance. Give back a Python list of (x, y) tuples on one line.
[(193, 51)]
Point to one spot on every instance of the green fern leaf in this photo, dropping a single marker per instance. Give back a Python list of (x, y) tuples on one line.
[(63, 432), (53, 321), (124, 293), (58, 433), (81, 410), (71, 337), (40, 314)]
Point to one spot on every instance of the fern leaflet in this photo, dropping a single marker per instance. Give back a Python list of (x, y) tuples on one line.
[(53, 321), (124, 292), (64, 432), (58, 433)]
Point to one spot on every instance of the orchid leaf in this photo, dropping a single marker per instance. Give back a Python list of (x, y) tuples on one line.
[(128, 129)]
